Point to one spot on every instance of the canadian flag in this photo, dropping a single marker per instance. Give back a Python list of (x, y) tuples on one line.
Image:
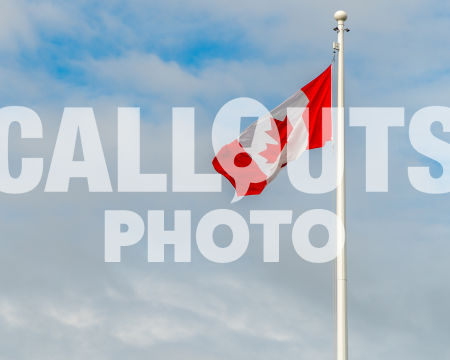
[(301, 122)]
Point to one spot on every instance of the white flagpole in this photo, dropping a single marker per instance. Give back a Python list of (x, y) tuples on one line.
[(341, 262)]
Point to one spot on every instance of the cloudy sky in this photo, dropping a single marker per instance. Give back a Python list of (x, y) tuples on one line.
[(58, 298)]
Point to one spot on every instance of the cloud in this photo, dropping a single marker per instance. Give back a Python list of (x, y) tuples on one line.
[(78, 318), (9, 314), (148, 331)]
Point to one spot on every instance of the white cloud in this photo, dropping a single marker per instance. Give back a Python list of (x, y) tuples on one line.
[(10, 314), (146, 331), (82, 317)]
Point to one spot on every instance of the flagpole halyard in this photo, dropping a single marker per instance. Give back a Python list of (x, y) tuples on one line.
[(341, 261)]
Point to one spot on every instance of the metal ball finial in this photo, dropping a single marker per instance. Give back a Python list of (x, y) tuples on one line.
[(340, 15)]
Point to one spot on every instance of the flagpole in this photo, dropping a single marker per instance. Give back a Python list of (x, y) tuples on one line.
[(341, 261)]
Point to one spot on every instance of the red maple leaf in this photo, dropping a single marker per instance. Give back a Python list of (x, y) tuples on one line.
[(279, 131)]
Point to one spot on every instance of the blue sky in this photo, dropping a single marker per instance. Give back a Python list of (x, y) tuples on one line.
[(60, 300)]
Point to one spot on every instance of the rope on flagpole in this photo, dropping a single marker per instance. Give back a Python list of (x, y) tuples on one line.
[(333, 58)]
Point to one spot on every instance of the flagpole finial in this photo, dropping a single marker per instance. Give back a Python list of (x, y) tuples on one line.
[(340, 15)]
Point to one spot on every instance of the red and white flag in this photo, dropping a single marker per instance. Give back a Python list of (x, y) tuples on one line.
[(301, 122)]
